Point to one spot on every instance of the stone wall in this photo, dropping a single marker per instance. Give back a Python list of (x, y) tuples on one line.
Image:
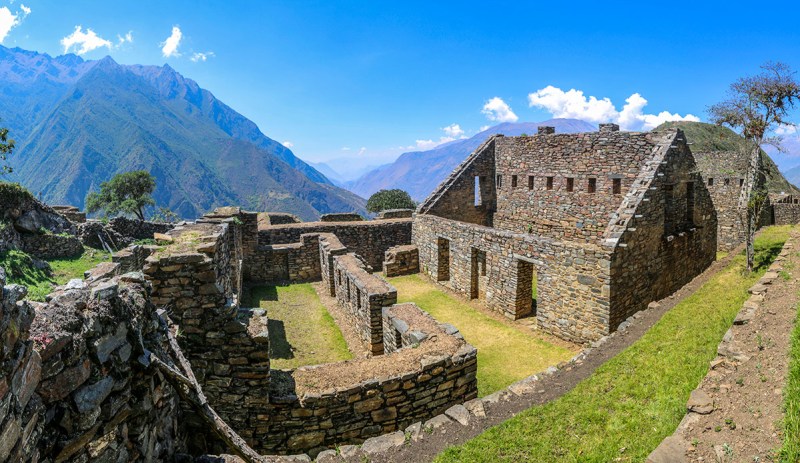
[(21, 420), (363, 296), (48, 246), (368, 239), (469, 193), (786, 213), (198, 278), (341, 217), (71, 213), (133, 229), (265, 219), (285, 263), (497, 267), (329, 248), (401, 260), (395, 214), (348, 402), (723, 175), (669, 239)]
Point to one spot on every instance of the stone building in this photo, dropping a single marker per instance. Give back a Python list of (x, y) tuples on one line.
[(597, 224)]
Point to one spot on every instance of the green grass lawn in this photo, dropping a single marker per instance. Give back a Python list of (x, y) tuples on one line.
[(628, 405), (301, 331), (39, 282), (505, 353), (790, 452)]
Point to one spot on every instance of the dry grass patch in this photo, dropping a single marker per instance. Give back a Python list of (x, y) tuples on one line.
[(301, 331), (506, 353)]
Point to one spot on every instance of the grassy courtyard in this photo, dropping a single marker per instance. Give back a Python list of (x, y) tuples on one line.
[(791, 425), (301, 331), (628, 405), (505, 353)]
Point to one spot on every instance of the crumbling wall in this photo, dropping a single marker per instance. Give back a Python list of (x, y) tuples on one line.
[(197, 278), (395, 214), (71, 213), (670, 237), (573, 281), (368, 239), (329, 248), (348, 402), (133, 229), (341, 217), (294, 262), (48, 246), (363, 296)]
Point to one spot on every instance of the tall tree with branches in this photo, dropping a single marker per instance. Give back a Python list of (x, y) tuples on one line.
[(756, 106), (6, 147)]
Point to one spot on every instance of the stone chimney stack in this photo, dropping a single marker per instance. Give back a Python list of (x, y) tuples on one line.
[(546, 130), (609, 128)]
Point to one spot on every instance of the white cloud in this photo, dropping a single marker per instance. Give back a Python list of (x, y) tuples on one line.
[(497, 110), (287, 144), (169, 47), (83, 42), (574, 104), (484, 127), (345, 148), (786, 129), (201, 57), (453, 130), (122, 39), (362, 150), (9, 20)]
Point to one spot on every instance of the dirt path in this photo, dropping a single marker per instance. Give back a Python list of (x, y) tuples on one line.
[(548, 388), (745, 424)]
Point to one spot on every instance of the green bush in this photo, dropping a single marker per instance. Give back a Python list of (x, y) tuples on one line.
[(390, 199)]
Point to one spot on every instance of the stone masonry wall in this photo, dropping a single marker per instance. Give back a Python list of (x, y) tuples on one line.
[(538, 172), (341, 217), (723, 175), (395, 214), (368, 239), (134, 229), (468, 194), (786, 214), (197, 278), (295, 262), (363, 296), (373, 396), (401, 260), (48, 246), (329, 248), (671, 237), (573, 281)]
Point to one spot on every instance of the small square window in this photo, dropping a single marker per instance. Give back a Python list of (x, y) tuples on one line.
[(727, 181), (616, 186), (741, 182), (710, 182), (570, 183), (549, 183), (592, 186), (513, 181)]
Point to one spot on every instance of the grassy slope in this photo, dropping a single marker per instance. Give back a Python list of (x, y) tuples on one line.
[(498, 343), (710, 137), (39, 282), (628, 405), (301, 331), (791, 424)]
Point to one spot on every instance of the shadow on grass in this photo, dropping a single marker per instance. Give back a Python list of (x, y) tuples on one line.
[(262, 293), (279, 346), (765, 255)]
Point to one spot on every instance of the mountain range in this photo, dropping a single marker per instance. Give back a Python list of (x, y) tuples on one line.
[(77, 123)]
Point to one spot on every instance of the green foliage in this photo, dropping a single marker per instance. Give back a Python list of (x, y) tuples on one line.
[(6, 147), (12, 194), (790, 452), (126, 193), (638, 397), (390, 199)]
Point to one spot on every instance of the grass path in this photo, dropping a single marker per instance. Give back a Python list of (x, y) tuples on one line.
[(505, 353), (301, 331), (624, 410), (790, 452)]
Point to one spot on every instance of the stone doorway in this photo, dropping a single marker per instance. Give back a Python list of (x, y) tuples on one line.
[(443, 259), (525, 300), (477, 274)]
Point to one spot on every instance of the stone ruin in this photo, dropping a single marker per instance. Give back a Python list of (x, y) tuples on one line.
[(153, 357)]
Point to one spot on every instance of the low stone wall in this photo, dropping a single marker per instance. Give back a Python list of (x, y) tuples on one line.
[(329, 248), (198, 277), (133, 229), (368, 239), (348, 402), (363, 296), (395, 214), (341, 217), (265, 219), (401, 260), (132, 258), (72, 213), (48, 246), (786, 214), (282, 263)]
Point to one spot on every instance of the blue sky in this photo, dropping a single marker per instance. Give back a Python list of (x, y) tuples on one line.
[(361, 82)]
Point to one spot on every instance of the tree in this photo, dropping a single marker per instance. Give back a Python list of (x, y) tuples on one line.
[(127, 193), (756, 106), (390, 199), (6, 147)]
